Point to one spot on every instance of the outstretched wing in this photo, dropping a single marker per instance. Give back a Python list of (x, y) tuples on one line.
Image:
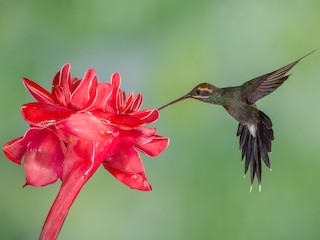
[(266, 84)]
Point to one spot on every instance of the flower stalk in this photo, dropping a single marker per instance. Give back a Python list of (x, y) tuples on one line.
[(68, 192)]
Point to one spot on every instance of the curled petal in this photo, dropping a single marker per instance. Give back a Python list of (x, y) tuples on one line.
[(112, 100), (115, 82), (121, 96), (87, 126), (155, 147), (42, 114), (38, 92), (136, 103), (85, 91), (55, 90), (135, 181), (146, 116), (127, 104), (61, 85), (127, 167), (15, 149)]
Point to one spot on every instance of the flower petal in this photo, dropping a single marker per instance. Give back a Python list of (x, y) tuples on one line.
[(146, 116), (87, 126), (112, 100), (125, 120), (120, 100), (131, 137), (127, 103), (39, 93), (15, 149), (137, 136), (131, 120), (155, 147), (43, 158), (42, 114), (78, 152), (127, 167), (115, 82), (136, 103), (61, 85), (103, 93), (85, 91)]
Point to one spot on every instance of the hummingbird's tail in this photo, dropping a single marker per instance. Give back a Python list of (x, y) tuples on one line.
[(256, 148)]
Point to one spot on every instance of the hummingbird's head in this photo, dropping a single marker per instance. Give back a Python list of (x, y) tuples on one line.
[(201, 92)]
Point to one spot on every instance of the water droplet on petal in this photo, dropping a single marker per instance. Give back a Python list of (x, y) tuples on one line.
[(137, 177)]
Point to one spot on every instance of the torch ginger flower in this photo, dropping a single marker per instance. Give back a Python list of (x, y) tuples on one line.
[(77, 127)]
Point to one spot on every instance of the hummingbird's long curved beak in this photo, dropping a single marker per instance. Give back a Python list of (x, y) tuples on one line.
[(175, 101)]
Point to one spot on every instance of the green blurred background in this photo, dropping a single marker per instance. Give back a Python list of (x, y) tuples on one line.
[(163, 49)]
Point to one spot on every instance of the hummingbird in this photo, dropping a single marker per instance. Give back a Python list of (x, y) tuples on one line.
[(255, 127)]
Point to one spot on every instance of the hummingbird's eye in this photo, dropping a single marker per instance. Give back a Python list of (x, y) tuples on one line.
[(198, 92)]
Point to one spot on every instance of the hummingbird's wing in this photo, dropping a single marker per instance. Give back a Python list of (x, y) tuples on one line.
[(261, 86)]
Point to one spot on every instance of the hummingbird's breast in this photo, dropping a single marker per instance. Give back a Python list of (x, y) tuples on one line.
[(237, 106)]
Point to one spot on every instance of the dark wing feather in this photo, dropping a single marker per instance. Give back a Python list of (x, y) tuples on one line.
[(266, 84)]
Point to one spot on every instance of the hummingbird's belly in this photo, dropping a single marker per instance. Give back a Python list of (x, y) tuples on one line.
[(245, 114)]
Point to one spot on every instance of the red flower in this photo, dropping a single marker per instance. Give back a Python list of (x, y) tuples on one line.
[(77, 127)]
